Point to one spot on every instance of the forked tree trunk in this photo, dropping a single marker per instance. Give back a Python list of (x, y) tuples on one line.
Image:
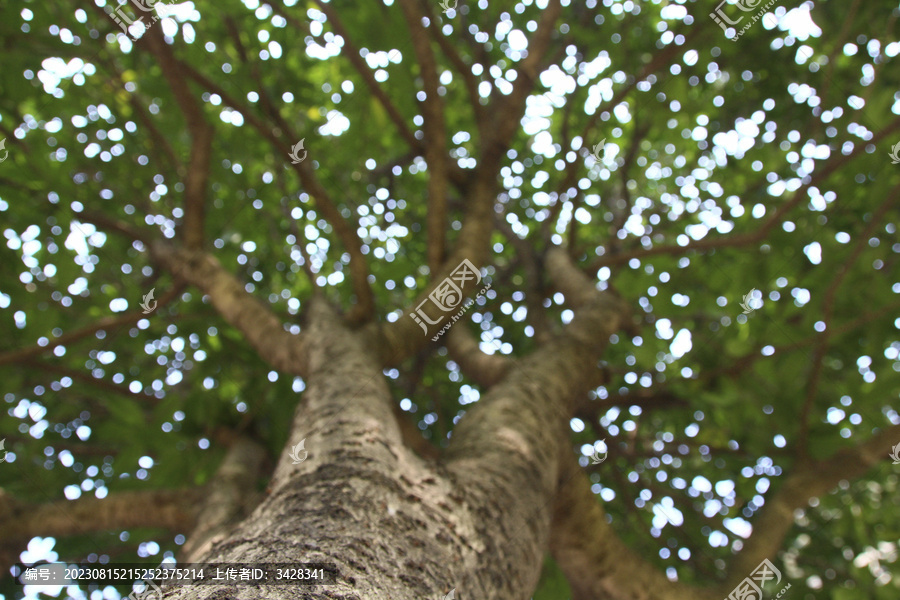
[(396, 527)]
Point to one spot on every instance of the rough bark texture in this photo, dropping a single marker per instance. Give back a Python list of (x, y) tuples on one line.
[(595, 561), (227, 497), (172, 509), (395, 527)]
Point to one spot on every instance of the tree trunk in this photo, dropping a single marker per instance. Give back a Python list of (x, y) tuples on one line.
[(395, 526)]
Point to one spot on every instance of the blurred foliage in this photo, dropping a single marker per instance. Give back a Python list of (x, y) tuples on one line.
[(708, 144)]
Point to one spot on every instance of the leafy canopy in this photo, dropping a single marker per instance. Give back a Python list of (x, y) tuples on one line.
[(723, 167)]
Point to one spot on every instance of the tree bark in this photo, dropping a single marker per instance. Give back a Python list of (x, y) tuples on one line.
[(396, 526), (171, 509), (595, 561)]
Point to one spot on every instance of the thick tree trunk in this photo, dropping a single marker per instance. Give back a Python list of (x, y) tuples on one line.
[(396, 527)]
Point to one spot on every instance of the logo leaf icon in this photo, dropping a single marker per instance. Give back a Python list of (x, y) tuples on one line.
[(747, 5), (146, 304), (596, 459), (598, 151), (296, 450), (294, 154), (746, 303), (894, 154)]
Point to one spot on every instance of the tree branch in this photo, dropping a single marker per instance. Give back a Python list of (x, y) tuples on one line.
[(351, 52), (463, 69), (482, 368), (170, 509), (578, 289), (505, 112), (750, 237), (594, 559), (26, 354), (358, 267), (228, 497), (812, 381), (534, 284), (435, 132), (402, 338), (540, 391), (96, 218), (83, 376), (809, 480), (261, 328), (201, 133), (161, 145)]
